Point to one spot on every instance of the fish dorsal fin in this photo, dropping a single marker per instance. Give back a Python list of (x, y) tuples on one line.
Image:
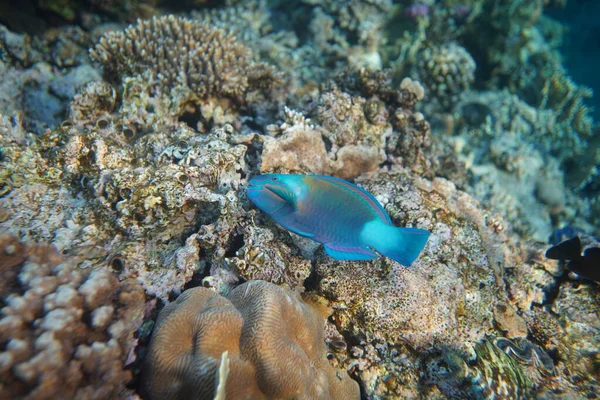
[(566, 250), (285, 194), (368, 197)]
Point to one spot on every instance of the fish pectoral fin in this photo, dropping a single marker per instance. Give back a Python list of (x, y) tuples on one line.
[(301, 233), (284, 194), (343, 252)]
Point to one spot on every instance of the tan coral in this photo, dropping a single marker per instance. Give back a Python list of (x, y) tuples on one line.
[(183, 52), (50, 346), (446, 71), (275, 344), (301, 150)]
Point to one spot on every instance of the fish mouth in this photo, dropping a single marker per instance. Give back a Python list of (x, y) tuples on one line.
[(268, 187), (254, 191)]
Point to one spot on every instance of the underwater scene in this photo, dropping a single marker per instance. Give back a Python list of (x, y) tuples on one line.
[(299, 199)]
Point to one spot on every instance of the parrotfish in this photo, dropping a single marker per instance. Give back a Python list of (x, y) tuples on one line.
[(347, 220)]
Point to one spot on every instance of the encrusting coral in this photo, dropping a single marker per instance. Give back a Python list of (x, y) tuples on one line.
[(184, 52), (360, 120), (64, 331), (275, 344)]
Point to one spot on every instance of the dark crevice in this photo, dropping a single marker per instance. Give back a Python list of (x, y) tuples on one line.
[(551, 292), (236, 242), (197, 278), (192, 118), (312, 280), (208, 213), (328, 144)]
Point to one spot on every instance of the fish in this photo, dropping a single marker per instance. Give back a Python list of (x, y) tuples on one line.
[(586, 264), (347, 220)]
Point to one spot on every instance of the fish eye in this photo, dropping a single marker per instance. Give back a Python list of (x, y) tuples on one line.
[(275, 179)]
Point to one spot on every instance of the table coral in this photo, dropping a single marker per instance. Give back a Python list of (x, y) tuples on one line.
[(65, 331), (275, 344)]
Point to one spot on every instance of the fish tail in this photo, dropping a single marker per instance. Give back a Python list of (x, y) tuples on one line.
[(400, 244)]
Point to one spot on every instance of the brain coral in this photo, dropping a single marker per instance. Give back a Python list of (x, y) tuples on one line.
[(274, 339), (183, 52)]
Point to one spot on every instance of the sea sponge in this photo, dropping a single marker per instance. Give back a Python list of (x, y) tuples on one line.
[(183, 52), (275, 344)]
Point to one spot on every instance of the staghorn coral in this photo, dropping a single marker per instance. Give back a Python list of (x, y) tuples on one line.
[(65, 331), (184, 52), (256, 324)]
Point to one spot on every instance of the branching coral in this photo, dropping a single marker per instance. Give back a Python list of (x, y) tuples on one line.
[(64, 331), (275, 344), (183, 52)]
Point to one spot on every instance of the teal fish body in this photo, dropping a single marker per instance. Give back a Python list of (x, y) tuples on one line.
[(349, 221)]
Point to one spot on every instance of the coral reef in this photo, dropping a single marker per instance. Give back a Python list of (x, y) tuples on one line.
[(446, 71), (577, 306), (133, 167), (37, 87), (65, 331), (438, 300), (183, 52), (400, 295), (274, 340), (351, 134), (507, 143), (494, 374), (142, 213)]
